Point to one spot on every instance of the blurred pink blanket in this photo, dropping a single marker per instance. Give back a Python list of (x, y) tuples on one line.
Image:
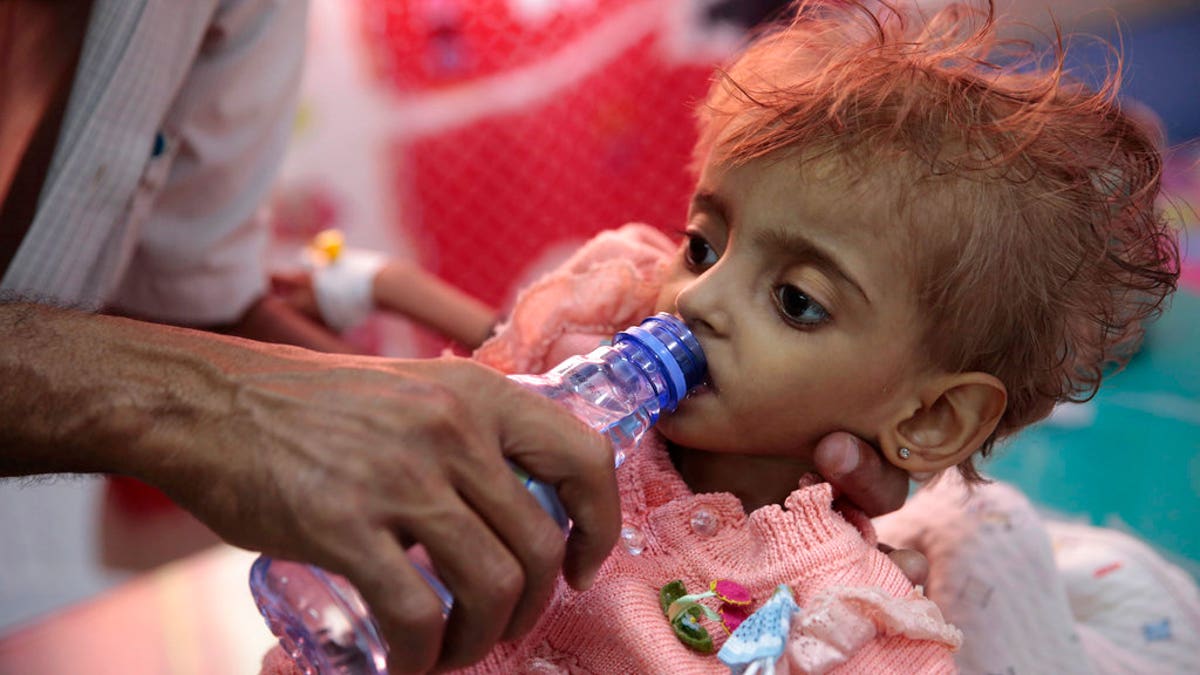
[(1034, 594)]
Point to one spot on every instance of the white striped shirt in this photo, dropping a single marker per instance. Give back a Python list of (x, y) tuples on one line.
[(178, 117)]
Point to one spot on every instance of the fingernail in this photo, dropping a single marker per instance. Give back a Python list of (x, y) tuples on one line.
[(846, 458)]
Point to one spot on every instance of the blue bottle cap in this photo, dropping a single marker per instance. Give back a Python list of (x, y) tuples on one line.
[(676, 350)]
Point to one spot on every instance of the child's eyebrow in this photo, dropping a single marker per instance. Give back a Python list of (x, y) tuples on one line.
[(800, 247), (792, 243), (704, 200)]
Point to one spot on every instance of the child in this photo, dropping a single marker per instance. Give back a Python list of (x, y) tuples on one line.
[(889, 235)]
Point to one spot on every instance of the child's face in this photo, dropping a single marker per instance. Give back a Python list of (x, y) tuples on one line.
[(797, 288)]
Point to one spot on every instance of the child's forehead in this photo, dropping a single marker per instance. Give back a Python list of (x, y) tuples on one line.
[(912, 222), (824, 183), (814, 198)]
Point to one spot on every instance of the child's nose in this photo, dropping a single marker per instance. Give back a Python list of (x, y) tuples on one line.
[(701, 304)]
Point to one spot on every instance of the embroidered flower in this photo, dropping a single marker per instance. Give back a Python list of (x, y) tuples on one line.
[(732, 616), (684, 611), (730, 592)]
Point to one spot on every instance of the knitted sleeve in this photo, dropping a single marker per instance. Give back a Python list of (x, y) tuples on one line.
[(612, 282)]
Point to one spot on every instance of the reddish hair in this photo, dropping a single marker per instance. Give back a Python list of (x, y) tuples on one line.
[(1029, 198)]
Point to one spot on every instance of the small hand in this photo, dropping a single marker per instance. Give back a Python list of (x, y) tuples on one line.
[(858, 472), (296, 289)]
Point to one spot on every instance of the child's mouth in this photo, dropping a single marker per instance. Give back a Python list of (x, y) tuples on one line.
[(706, 387)]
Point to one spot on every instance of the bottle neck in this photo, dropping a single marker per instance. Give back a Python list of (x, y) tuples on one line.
[(651, 367), (669, 354)]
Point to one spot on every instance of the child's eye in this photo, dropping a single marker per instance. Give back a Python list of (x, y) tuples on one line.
[(698, 253), (796, 307)]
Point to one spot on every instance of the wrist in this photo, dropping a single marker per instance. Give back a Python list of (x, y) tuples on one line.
[(345, 287), (94, 394)]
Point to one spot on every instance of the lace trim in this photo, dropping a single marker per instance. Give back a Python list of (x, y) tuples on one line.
[(842, 620)]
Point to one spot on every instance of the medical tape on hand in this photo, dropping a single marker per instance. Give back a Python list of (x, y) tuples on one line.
[(344, 288)]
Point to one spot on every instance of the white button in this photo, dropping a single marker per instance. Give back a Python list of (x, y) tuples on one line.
[(633, 539), (705, 523), (540, 666)]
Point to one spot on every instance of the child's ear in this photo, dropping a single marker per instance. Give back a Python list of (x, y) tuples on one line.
[(954, 416)]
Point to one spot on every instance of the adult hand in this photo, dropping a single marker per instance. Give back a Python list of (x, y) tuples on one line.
[(857, 471), (350, 462), (339, 461)]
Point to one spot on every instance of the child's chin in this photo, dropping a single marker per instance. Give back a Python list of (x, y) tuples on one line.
[(675, 428), (667, 427)]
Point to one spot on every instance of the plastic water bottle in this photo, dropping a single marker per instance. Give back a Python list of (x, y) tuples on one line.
[(620, 390)]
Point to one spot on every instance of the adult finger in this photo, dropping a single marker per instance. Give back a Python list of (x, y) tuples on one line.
[(559, 450), (858, 471), (484, 575), (407, 610), (538, 544), (911, 562)]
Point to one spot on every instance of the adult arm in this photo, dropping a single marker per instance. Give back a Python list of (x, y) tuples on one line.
[(334, 460)]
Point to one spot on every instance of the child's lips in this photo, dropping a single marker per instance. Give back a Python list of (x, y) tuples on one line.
[(705, 387)]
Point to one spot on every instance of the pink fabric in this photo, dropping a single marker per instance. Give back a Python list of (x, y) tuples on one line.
[(617, 626), (1034, 594), (609, 284), (841, 620)]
